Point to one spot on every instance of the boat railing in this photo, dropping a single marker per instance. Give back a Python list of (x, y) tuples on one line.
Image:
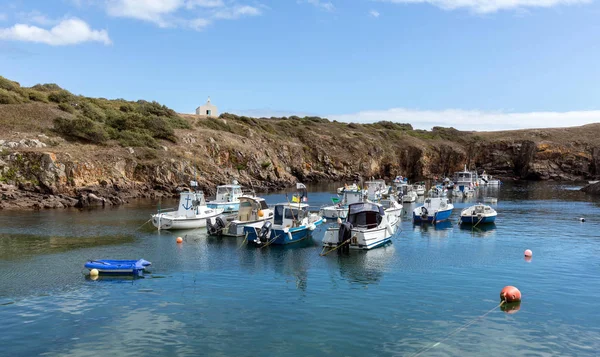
[(166, 210)]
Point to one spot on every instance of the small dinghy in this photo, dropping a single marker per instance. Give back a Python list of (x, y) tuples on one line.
[(118, 267), (478, 214)]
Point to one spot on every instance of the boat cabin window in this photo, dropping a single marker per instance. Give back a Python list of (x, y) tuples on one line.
[(368, 219), (237, 191), (263, 205), (294, 213), (278, 219)]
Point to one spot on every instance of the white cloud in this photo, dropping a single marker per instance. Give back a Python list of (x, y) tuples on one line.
[(374, 13), (473, 119), (179, 13), (148, 10), (325, 5), (236, 12), (488, 6), (67, 32)]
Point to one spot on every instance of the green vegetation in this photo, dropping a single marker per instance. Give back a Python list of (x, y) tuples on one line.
[(98, 120)]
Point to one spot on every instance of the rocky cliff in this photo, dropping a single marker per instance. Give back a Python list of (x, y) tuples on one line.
[(42, 166)]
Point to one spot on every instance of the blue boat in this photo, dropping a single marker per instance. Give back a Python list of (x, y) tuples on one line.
[(478, 214), (435, 209), (118, 267), (292, 223)]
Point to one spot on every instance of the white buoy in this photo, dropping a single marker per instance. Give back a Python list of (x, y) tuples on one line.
[(94, 272)]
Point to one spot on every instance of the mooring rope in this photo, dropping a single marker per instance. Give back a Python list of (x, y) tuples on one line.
[(457, 330), (269, 242), (334, 248), (144, 224)]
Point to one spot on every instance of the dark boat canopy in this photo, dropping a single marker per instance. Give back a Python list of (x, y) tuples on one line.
[(365, 207)]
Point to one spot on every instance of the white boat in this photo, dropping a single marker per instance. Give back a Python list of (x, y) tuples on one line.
[(435, 209), (368, 226), (376, 189), (465, 178), (353, 187), (419, 189), (191, 213), (487, 180), (340, 208), (437, 191), (463, 192), (593, 182), (227, 198), (478, 214), (409, 197), (253, 210), (490, 199)]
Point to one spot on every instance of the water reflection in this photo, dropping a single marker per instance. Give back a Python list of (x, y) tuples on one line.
[(363, 267), (439, 230), (479, 231)]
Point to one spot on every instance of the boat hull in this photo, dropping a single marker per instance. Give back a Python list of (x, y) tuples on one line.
[(477, 220), (280, 236), (334, 213), (438, 216), (169, 222), (363, 239)]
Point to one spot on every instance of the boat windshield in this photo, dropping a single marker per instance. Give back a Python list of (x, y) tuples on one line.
[(365, 214)]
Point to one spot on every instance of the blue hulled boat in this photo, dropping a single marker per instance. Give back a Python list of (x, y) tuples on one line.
[(292, 222), (435, 209), (118, 267), (478, 214)]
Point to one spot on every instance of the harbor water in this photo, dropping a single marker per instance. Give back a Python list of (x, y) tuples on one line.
[(433, 291)]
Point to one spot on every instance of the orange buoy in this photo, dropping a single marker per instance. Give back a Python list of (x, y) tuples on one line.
[(179, 240), (510, 294), (528, 253), (261, 213)]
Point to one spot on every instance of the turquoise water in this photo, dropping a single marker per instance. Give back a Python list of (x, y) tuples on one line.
[(213, 296)]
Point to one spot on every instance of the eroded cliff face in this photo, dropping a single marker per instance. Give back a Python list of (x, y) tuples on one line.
[(44, 172)]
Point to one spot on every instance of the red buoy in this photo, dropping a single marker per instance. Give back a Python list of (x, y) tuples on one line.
[(528, 253), (510, 294)]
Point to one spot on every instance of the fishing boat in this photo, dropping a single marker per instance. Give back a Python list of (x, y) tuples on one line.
[(368, 226), (353, 187), (118, 267), (465, 178), (376, 189), (339, 209), (419, 189), (292, 223), (487, 180), (435, 209), (478, 214), (437, 191), (253, 210), (191, 213), (227, 198)]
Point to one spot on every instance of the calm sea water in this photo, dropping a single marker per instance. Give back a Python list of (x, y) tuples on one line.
[(211, 296)]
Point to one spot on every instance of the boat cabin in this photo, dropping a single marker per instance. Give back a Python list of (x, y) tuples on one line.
[(465, 177), (436, 203), (351, 197), (365, 214), (228, 193), (189, 203), (249, 208), (290, 214)]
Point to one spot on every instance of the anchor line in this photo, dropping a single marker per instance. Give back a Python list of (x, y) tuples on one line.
[(457, 330), (336, 247), (269, 242), (143, 224)]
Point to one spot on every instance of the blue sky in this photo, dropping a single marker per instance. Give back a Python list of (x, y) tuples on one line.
[(471, 64)]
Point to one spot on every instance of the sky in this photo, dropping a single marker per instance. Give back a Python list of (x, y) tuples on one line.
[(469, 64)]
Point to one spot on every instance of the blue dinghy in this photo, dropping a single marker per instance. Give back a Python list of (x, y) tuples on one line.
[(118, 267)]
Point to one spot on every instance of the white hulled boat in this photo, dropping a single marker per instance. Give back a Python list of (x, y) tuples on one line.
[(367, 226), (191, 213), (487, 180), (340, 208), (478, 214), (253, 210)]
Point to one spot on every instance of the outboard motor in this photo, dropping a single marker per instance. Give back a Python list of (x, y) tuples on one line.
[(217, 228), (424, 213), (265, 233), (344, 234)]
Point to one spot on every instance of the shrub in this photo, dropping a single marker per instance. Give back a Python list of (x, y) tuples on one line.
[(9, 97), (92, 111), (66, 107), (61, 96), (80, 128), (132, 138), (9, 85), (47, 87), (37, 96), (159, 128)]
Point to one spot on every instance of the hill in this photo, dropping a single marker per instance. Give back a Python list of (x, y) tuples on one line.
[(59, 149)]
